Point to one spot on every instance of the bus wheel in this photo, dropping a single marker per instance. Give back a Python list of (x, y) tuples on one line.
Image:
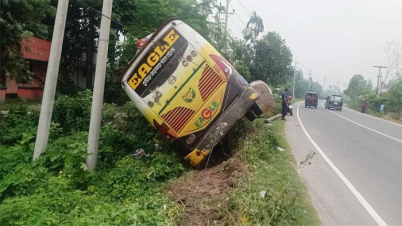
[(256, 109), (250, 115)]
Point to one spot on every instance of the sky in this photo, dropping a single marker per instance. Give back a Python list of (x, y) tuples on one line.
[(335, 39)]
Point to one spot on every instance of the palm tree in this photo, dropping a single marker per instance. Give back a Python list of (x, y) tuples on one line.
[(254, 27), (255, 24)]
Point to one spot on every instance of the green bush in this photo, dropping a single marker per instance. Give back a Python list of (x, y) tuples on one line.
[(73, 113), (20, 120), (57, 189), (115, 94)]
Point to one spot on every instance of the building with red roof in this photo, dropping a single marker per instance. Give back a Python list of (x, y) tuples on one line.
[(36, 51)]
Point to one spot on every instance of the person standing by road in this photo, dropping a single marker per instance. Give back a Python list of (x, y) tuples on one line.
[(285, 104), (363, 107)]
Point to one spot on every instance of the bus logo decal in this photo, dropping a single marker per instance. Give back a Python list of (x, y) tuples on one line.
[(153, 62), (206, 114), (189, 96)]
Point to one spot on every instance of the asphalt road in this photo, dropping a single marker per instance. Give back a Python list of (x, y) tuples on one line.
[(356, 175)]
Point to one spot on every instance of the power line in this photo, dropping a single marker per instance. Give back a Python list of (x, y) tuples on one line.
[(100, 13), (237, 15), (235, 23), (244, 7)]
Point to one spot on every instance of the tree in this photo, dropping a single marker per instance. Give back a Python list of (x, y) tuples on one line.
[(393, 59), (332, 90), (255, 25), (359, 86), (272, 60), (20, 19), (149, 15)]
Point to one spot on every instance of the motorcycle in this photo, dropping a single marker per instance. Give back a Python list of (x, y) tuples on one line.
[(290, 108), (290, 111)]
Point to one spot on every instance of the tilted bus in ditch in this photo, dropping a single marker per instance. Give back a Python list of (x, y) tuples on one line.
[(187, 90)]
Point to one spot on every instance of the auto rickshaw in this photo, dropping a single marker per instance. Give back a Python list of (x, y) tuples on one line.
[(311, 99)]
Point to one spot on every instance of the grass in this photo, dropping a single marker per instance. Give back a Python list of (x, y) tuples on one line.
[(390, 116), (286, 200)]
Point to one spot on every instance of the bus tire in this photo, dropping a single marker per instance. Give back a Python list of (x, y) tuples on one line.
[(250, 115), (256, 109)]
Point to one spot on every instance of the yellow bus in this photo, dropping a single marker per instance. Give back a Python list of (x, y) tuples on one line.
[(187, 90)]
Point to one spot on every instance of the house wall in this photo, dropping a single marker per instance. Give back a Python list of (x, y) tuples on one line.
[(39, 69)]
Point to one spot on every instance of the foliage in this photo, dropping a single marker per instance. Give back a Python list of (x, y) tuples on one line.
[(272, 60), (358, 86), (115, 94), (391, 100), (21, 120), (286, 200), (20, 19), (302, 85), (332, 90), (58, 189), (255, 25), (73, 113)]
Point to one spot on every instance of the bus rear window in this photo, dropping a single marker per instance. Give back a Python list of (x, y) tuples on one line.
[(154, 68)]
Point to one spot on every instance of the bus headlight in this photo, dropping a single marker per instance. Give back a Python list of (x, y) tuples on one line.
[(150, 104), (158, 94), (185, 63)]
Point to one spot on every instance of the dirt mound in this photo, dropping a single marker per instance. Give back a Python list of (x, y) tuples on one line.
[(198, 191), (266, 100)]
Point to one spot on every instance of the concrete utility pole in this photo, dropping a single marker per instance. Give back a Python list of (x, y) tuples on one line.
[(226, 25), (378, 78), (46, 110), (325, 77), (99, 86), (294, 79), (309, 79)]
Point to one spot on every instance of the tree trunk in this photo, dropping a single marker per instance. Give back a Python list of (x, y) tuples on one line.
[(90, 52)]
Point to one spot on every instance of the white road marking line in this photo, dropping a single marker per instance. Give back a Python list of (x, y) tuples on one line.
[(366, 127), (352, 188), (367, 115)]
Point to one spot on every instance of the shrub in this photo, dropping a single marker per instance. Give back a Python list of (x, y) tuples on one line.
[(115, 94), (20, 120), (73, 113)]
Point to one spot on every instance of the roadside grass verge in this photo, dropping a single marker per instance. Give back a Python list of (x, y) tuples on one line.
[(390, 116), (271, 192)]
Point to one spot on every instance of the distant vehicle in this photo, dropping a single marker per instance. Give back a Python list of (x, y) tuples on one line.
[(335, 102), (187, 90), (311, 99)]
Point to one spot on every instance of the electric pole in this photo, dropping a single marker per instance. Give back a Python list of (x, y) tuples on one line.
[(309, 79), (325, 77), (45, 118), (226, 25), (294, 79), (378, 78), (99, 85)]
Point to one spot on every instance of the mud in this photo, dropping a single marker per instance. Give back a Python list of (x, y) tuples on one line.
[(199, 191)]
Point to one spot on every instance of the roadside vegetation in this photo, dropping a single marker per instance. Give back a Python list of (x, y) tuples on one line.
[(57, 188), (271, 192), (360, 90)]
